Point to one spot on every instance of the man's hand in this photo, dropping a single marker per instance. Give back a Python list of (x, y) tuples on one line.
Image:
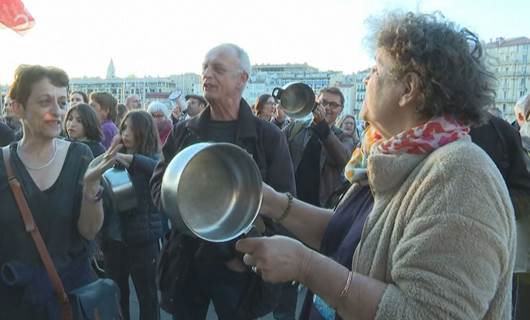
[(319, 114), (279, 115)]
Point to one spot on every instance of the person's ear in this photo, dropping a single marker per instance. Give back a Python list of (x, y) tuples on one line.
[(243, 78), (412, 90), (18, 109)]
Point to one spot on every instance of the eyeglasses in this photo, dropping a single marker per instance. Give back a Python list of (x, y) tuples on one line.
[(325, 103)]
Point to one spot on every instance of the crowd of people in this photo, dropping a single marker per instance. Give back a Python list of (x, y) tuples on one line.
[(424, 213)]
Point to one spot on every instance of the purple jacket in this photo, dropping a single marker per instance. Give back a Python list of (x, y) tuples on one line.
[(109, 130)]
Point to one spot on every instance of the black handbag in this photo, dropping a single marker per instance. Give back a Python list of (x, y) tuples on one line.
[(173, 267), (98, 300)]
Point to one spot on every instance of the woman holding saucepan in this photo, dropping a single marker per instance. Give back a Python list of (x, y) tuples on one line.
[(438, 242)]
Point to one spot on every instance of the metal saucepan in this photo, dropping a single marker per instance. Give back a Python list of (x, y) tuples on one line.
[(212, 191), (297, 99), (118, 184)]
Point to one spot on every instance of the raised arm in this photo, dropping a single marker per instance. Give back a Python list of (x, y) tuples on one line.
[(339, 149), (91, 216)]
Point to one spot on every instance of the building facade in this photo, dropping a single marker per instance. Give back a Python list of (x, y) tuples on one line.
[(348, 91), (509, 60), (188, 83), (3, 93), (360, 90), (346, 84), (147, 88), (265, 77)]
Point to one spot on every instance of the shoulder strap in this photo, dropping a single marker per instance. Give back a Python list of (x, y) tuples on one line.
[(31, 227)]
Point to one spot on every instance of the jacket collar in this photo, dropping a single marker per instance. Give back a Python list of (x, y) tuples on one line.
[(388, 171), (246, 126), (309, 122)]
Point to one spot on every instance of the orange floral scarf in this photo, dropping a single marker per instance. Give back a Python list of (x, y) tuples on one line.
[(418, 140)]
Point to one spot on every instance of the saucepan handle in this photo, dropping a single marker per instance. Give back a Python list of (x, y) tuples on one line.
[(277, 92), (256, 229), (253, 232)]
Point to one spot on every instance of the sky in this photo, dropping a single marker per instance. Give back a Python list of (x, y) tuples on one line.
[(160, 38)]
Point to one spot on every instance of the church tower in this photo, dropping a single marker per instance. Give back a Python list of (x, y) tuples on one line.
[(111, 72)]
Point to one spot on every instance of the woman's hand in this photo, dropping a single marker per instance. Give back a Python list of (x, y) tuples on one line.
[(124, 159), (276, 258), (100, 164)]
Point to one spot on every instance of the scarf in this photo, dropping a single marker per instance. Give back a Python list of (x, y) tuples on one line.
[(358, 162), (422, 139)]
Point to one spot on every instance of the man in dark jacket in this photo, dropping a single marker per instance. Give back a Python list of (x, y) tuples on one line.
[(6, 135), (195, 104), (521, 282), (319, 149), (503, 144), (216, 272)]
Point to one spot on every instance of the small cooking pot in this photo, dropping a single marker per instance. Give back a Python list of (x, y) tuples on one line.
[(212, 191), (118, 184), (297, 99)]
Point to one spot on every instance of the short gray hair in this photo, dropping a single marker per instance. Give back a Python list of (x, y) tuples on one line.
[(157, 106), (523, 105), (130, 97), (242, 55)]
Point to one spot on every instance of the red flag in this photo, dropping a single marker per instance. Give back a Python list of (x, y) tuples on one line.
[(15, 16)]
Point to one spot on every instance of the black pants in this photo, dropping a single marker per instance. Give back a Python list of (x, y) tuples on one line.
[(139, 262), (214, 283), (521, 296), (286, 308)]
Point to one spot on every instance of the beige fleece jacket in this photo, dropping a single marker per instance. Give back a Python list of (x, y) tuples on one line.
[(441, 235)]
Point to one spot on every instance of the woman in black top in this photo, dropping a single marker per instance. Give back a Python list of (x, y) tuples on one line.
[(62, 189), (130, 238), (82, 125)]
